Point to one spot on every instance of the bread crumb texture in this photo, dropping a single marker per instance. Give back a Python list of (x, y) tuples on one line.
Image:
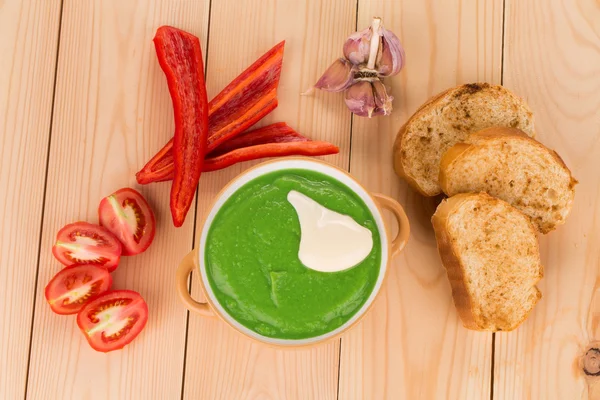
[(519, 170), (495, 255)]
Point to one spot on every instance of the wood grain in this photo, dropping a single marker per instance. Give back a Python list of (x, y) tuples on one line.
[(28, 46), (412, 344), (112, 112), (552, 58), (220, 363)]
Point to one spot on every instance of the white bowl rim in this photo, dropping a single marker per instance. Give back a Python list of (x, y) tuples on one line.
[(311, 165)]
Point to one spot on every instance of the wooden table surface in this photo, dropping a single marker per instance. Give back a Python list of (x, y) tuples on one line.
[(83, 105)]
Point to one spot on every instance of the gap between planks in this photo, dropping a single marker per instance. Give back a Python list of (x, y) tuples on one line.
[(339, 369), (187, 315), (37, 271), (493, 362)]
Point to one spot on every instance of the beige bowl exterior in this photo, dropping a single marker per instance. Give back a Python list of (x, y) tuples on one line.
[(212, 308)]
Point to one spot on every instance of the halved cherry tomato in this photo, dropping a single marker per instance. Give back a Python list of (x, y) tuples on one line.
[(113, 320), (85, 243), (129, 217), (74, 286)]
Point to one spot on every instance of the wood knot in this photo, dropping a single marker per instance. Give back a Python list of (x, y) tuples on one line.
[(591, 362)]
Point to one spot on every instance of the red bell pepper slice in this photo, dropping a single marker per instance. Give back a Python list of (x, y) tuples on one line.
[(245, 101), (180, 58), (310, 148), (278, 132)]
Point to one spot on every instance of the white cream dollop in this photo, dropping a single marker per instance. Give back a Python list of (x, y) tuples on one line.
[(329, 241)]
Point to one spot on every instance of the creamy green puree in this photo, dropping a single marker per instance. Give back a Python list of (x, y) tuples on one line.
[(252, 258)]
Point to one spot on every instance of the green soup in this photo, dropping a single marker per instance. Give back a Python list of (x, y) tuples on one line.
[(252, 263)]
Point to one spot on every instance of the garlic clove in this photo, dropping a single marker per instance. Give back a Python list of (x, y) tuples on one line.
[(360, 100), (337, 77), (392, 56), (356, 47), (383, 101)]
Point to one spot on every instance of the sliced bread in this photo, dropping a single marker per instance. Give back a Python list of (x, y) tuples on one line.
[(447, 119), (508, 164), (491, 254)]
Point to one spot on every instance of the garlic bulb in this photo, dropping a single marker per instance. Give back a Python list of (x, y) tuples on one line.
[(369, 56)]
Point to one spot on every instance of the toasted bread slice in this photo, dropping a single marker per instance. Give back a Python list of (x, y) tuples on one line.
[(447, 119), (510, 165), (490, 251)]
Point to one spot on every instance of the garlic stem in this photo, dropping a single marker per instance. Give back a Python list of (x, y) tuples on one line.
[(374, 47)]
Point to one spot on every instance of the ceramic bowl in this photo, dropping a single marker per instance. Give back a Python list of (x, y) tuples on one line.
[(390, 247)]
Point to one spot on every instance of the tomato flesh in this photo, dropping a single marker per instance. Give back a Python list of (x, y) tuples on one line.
[(72, 287), (113, 320), (85, 243), (128, 216)]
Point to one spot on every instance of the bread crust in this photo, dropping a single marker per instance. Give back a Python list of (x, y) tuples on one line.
[(454, 267), (451, 260), (460, 149), (397, 149), (398, 165), (451, 155)]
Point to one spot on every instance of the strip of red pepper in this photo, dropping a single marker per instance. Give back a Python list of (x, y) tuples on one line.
[(245, 101), (279, 132), (180, 58), (310, 148)]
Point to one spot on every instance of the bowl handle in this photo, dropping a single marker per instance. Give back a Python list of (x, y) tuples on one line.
[(392, 205), (189, 264)]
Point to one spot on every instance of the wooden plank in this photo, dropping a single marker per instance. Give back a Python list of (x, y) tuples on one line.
[(112, 112), (28, 45), (222, 364), (552, 58), (412, 344)]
